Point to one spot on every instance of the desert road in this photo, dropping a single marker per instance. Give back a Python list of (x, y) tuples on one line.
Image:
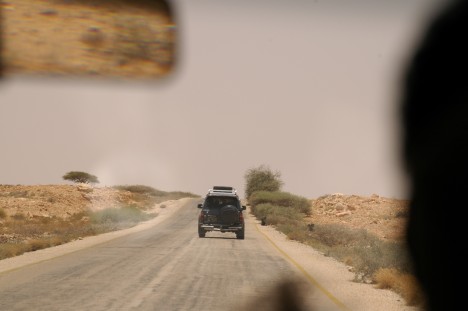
[(164, 265)]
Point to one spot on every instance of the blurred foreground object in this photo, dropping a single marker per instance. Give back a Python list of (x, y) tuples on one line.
[(78, 38), (287, 295), (435, 124)]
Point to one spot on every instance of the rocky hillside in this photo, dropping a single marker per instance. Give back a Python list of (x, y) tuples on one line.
[(382, 216), (65, 200)]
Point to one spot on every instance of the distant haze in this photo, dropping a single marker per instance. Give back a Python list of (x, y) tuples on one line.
[(309, 88)]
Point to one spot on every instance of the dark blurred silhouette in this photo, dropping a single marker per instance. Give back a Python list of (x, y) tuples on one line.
[(435, 150), (289, 294)]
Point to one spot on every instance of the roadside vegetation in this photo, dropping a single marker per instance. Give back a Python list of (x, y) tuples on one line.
[(21, 232), (374, 261)]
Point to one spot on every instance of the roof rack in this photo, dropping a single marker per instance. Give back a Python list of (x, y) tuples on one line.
[(223, 189)]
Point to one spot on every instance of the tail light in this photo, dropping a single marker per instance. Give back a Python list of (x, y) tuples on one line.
[(201, 217), (241, 217)]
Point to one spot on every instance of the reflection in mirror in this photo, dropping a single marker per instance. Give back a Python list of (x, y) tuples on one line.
[(101, 38)]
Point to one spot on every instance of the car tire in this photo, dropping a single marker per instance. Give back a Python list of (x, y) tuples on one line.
[(201, 234), (240, 235)]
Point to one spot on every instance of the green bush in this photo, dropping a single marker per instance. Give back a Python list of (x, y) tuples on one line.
[(261, 178), (276, 215), (81, 177), (284, 199)]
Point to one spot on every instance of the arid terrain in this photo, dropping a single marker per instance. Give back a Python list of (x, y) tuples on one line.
[(63, 200), (335, 288), (382, 216), (39, 216), (59, 200)]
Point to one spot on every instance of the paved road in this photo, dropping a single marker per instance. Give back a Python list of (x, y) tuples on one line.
[(167, 267)]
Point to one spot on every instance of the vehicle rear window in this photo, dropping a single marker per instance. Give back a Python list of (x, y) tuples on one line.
[(218, 202)]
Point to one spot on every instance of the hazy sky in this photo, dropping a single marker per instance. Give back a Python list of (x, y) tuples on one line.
[(308, 88)]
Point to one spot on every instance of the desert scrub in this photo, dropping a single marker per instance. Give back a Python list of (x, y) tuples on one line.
[(403, 283)]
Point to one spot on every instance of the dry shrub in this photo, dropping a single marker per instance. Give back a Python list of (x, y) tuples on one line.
[(410, 289), (333, 235), (294, 230), (404, 284), (348, 260), (38, 244), (3, 214), (12, 249), (386, 278), (298, 235)]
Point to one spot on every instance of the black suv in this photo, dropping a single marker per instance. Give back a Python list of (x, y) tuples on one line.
[(221, 211)]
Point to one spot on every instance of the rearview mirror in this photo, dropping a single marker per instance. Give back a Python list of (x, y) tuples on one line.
[(200, 205), (102, 38), (244, 208)]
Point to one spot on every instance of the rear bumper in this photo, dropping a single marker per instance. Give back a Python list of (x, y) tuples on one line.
[(220, 228)]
